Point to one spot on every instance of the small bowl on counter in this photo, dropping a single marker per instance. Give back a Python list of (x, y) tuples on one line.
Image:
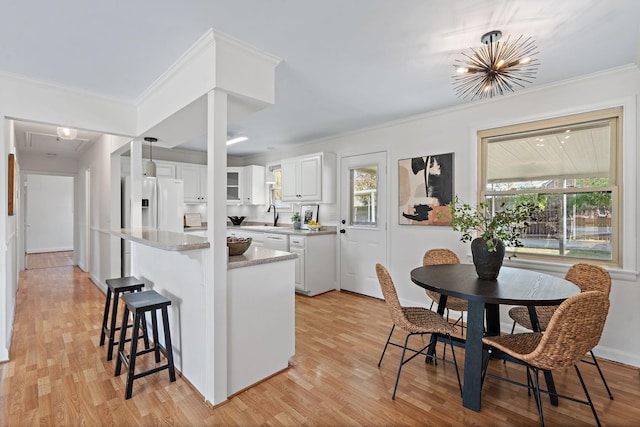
[(314, 227), (238, 245), (236, 220)]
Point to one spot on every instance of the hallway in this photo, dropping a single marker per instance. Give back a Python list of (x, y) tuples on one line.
[(49, 259), (58, 374)]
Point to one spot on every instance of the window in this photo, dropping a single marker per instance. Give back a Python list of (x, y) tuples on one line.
[(363, 200), (276, 189), (570, 167)]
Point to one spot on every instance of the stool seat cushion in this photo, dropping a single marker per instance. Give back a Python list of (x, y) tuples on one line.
[(124, 284), (145, 300)]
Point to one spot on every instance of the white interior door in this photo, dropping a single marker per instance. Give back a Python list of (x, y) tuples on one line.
[(49, 213), (363, 221)]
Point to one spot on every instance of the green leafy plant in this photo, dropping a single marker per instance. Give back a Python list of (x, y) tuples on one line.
[(296, 217), (508, 223)]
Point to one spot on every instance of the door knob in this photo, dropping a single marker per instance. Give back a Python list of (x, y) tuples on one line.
[(343, 231)]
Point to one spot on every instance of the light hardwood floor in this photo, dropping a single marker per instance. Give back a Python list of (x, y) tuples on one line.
[(58, 374), (49, 259)]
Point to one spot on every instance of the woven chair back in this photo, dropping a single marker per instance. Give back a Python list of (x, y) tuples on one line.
[(439, 257), (590, 277), (574, 329), (391, 298)]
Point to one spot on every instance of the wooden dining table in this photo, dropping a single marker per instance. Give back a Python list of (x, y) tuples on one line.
[(513, 287)]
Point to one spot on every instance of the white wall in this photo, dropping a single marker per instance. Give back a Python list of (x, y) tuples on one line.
[(9, 237), (49, 212), (24, 99), (94, 190), (42, 164), (454, 130)]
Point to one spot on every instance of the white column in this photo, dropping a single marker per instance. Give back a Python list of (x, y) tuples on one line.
[(216, 292)]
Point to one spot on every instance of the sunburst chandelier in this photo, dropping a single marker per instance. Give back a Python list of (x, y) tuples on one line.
[(496, 68)]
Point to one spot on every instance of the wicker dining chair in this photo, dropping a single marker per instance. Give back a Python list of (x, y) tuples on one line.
[(440, 257), (588, 277), (574, 329), (413, 321)]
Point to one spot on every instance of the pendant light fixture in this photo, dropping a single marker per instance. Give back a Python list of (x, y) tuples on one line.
[(151, 166), (496, 68)]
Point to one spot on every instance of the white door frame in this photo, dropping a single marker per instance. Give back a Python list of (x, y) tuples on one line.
[(24, 194), (341, 186), (87, 222)]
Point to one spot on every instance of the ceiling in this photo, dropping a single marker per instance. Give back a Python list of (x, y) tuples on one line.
[(347, 64)]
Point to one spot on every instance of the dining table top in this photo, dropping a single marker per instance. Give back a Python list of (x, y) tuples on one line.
[(513, 286)]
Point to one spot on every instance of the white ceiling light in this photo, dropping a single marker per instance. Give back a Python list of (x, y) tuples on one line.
[(236, 140), (67, 133)]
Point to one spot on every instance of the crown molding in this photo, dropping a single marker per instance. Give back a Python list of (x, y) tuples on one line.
[(205, 42), (48, 85), (247, 48)]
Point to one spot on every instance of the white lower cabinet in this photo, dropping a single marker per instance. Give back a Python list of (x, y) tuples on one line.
[(316, 264)]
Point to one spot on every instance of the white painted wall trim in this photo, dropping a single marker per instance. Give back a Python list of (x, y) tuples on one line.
[(31, 100)]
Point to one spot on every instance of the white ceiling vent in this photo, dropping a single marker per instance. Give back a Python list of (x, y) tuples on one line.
[(44, 143)]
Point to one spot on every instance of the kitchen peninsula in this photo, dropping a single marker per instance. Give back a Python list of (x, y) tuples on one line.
[(260, 303), (315, 267)]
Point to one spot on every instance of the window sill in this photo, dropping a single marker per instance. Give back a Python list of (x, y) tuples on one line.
[(561, 268)]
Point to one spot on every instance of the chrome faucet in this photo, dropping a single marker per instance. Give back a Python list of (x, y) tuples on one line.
[(275, 215)]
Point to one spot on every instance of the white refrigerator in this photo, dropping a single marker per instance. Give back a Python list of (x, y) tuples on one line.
[(162, 209), (163, 204)]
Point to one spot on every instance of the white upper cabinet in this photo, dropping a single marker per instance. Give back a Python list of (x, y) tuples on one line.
[(309, 178), (254, 190), (245, 185), (163, 169), (235, 179), (302, 179), (195, 182)]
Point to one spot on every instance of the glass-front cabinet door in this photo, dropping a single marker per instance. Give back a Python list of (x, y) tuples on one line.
[(234, 185)]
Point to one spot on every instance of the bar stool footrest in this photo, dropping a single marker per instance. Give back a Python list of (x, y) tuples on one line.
[(151, 371)]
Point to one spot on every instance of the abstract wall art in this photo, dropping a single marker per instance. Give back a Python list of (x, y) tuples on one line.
[(425, 187)]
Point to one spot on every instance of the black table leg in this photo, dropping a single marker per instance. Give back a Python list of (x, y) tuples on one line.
[(473, 356), (492, 312), (548, 376)]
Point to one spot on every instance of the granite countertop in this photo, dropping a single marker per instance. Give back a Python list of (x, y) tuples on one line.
[(256, 255), (196, 228), (167, 240)]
